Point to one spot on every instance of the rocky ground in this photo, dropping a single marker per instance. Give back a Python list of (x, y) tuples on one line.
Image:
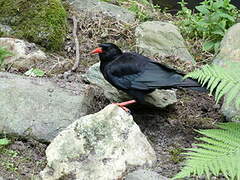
[(22, 159), (164, 129)]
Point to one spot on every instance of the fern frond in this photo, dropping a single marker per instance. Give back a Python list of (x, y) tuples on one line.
[(219, 154), (224, 81)]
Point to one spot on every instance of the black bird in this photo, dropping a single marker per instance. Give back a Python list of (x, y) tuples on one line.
[(138, 75)]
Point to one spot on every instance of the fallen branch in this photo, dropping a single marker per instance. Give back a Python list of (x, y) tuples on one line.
[(77, 57)]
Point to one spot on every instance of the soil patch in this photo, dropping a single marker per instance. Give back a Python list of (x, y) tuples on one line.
[(171, 129), (23, 159)]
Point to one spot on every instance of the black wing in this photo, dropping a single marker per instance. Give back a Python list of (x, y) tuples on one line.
[(134, 71)]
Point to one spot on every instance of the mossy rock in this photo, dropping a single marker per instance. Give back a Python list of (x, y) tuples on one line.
[(40, 21)]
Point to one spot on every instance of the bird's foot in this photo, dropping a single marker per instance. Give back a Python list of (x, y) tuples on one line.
[(123, 107), (123, 104)]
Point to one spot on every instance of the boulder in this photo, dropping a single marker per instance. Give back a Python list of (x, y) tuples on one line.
[(25, 54), (97, 6), (158, 98), (230, 46), (38, 107), (98, 146), (161, 39), (143, 174), (230, 52)]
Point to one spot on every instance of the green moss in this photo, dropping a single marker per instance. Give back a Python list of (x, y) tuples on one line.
[(39, 21)]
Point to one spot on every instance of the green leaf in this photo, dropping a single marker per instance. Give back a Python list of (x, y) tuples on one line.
[(219, 32), (227, 16), (35, 72), (222, 81), (4, 142), (216, 46), (211, 21), (208, 46), (3, 54), (202, 9), (219, 88), (220, 155), (233, 93)]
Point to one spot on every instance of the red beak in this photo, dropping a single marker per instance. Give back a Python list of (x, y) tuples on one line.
[(97, 50)]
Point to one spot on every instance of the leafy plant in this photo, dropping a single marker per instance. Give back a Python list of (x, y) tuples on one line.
[(4, 142), (3, 54), (140, 9), (221, 81), (211, 21), (35, 72), (219, 154)]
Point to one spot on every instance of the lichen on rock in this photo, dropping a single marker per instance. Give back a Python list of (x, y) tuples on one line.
[(101, 146), (39, 21)]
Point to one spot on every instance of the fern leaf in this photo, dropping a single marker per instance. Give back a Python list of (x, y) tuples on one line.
[(223, 81), (210, 82), (205, 80), (224, 91), (214, 84), (233, 93), (219, 154), (219, 88), (238, 103)]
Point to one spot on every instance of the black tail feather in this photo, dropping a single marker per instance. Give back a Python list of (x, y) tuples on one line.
[(193, 85)]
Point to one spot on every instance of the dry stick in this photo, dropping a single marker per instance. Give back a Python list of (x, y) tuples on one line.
[(77, 58)]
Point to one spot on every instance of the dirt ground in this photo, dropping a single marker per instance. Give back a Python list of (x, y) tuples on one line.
[(22, 159), (169, 130)]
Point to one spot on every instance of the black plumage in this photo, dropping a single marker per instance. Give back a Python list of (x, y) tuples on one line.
[(138, 75)]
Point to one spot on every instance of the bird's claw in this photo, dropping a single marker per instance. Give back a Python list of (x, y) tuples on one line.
[(123, 107)]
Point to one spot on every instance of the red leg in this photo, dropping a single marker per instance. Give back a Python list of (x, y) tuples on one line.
[(123, 104)]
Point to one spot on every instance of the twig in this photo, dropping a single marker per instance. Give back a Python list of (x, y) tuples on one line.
[(77, 57)]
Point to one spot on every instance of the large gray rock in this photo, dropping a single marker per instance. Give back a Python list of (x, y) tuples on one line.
[(97, 6), (37, 107), (230, 52), (99, 146), (142, 174), (158, 98), (162, 39), (230, 47), (25, 54)]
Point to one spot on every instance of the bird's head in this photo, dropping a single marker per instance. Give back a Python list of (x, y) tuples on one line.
[(107, 51)]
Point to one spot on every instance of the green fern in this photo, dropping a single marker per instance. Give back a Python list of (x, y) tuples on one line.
[(219, 154), (223, 80)]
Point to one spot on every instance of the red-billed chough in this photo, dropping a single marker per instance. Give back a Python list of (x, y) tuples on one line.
[(138, 75)]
